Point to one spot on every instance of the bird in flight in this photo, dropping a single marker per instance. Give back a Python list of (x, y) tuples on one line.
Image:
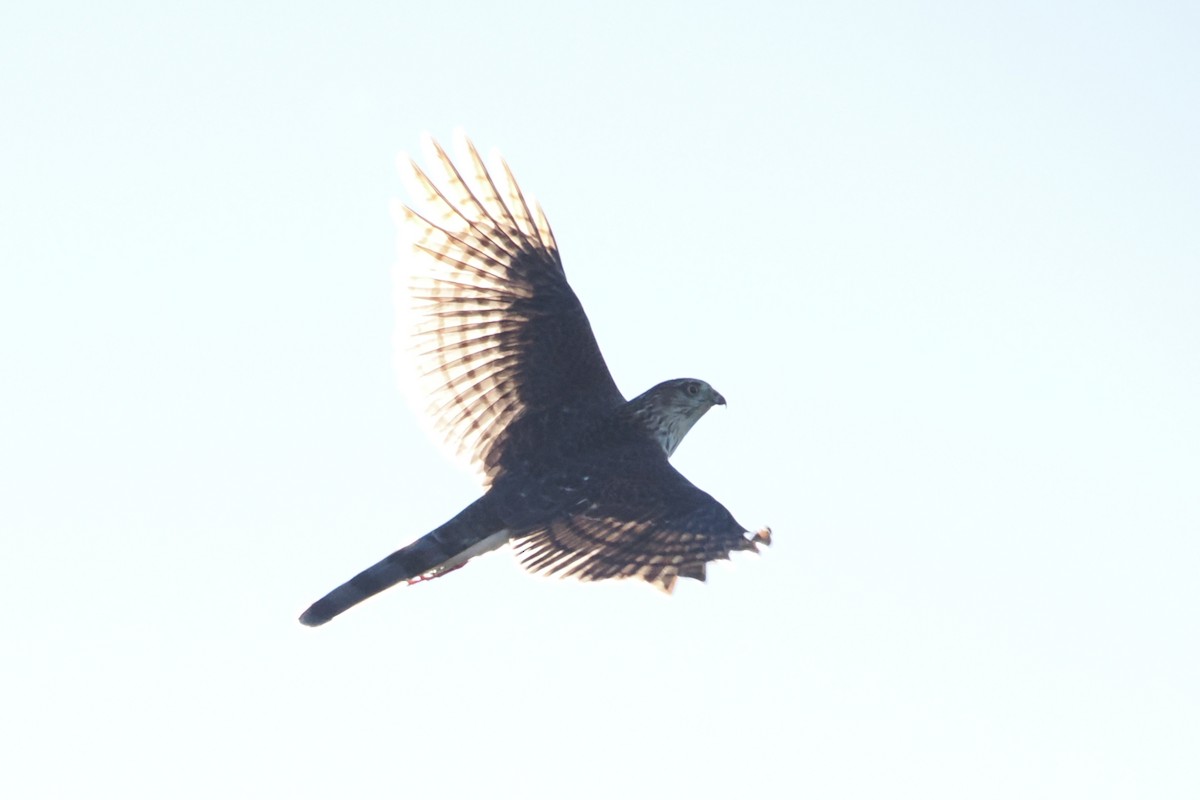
[(577, 477)]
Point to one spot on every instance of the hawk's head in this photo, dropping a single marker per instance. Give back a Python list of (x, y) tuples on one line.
[(670, 409)]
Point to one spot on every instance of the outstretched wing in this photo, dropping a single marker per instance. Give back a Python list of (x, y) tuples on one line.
[(487, 320), (649, 523)]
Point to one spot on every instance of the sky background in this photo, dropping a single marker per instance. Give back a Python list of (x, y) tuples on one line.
[(943, 259)]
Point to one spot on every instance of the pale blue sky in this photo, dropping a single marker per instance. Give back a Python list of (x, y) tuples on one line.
[(942, 259)]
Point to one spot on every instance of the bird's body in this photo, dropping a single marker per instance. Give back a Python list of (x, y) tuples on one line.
[(577, 478)]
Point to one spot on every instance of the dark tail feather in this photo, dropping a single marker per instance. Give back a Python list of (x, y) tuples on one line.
[(475, 530)]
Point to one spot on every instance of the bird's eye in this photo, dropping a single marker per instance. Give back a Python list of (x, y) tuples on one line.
[(693, 389)]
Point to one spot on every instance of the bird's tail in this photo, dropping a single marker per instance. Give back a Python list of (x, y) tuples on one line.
[(473, 531)]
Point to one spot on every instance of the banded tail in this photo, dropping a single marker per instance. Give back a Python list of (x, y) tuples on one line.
[(473, 531)]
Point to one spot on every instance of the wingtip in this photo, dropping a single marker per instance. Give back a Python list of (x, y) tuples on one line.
[(463, 146)]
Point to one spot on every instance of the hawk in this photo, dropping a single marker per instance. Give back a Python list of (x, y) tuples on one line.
[(577, 477)]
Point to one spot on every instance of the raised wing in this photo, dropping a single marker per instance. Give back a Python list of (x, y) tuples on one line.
[(651, 524), (487, 321)]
